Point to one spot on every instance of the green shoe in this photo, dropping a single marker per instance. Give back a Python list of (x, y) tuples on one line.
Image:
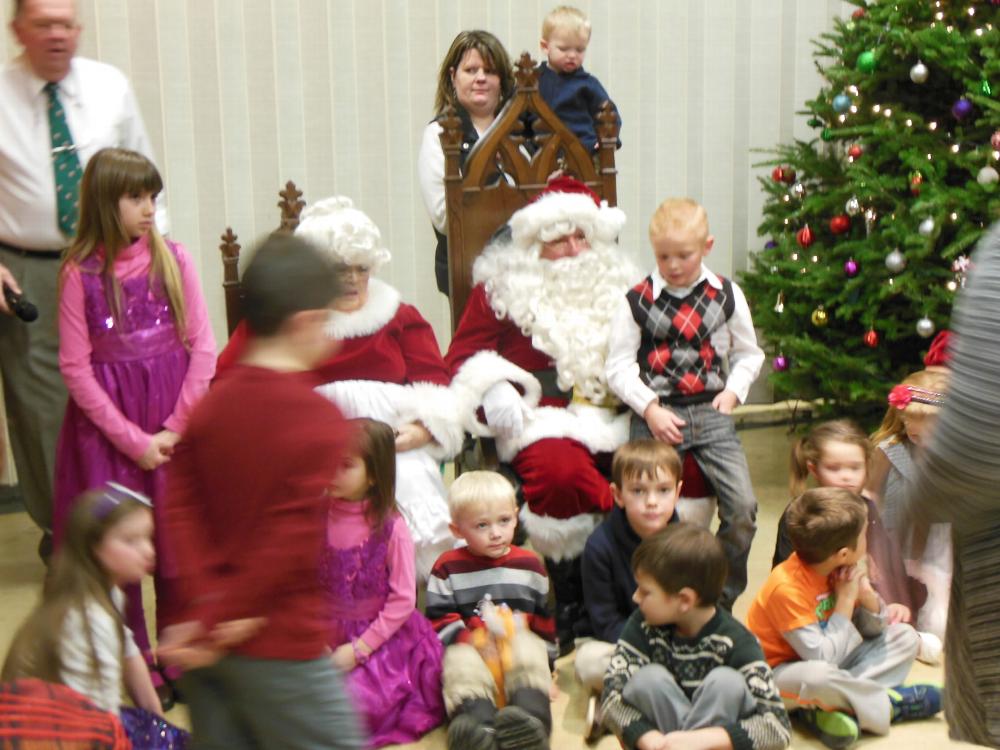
[(835, 729)]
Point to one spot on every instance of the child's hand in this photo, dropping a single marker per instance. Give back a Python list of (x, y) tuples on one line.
[(725, 401), (846, 582), (343, 657), (185, 646), (867, 597), (161, 447), (897, 612), (411, 436), (231, 633), (663, 423)]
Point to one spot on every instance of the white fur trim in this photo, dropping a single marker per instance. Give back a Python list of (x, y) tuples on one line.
[(436, 407), (559, 538), (343, 232), (380, 307), (477, 374), (697, 510), (529, 663), (609, 223), (464, 676), (600, 430), (557, 214)]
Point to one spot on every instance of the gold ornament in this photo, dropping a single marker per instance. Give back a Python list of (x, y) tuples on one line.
[(819, 317)]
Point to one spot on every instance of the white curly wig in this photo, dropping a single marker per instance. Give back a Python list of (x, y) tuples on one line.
[(346, 233)]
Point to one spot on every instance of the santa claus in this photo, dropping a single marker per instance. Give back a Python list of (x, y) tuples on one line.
[(530, 350)]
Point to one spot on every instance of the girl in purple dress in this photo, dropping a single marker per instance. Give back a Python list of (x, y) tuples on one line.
[(136, 352), (76, 636), (388, 649)]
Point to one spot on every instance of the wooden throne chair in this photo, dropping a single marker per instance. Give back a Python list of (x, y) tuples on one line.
[(477, 204)]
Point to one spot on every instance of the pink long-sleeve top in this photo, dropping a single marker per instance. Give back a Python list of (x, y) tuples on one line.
[(75, 350), (348, 527)]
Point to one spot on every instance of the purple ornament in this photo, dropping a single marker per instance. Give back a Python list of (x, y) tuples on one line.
[(851, 267), (770, 244), (780, 363), (961, 109)]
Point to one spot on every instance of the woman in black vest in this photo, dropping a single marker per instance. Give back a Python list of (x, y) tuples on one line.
[(476, 79)]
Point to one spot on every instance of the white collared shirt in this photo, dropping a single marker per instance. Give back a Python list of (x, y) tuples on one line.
[(101, 111), (735, 340)]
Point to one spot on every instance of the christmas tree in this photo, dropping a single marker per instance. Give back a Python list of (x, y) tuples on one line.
[(870, 224)]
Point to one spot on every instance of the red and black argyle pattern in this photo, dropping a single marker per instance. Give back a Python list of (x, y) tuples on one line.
[(676, 356)]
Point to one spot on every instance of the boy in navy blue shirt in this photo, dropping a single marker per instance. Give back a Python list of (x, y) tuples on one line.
[(573, 94), (645, 483)]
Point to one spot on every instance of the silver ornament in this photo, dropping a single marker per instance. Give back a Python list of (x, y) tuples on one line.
[(853, 206), (987, 176), (779, 305), (798, 190), (925, 327), (895, 261), (870, 216), (926, 227), (919, 73)]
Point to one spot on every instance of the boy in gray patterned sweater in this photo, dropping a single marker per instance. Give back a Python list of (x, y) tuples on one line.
[(684, 672)]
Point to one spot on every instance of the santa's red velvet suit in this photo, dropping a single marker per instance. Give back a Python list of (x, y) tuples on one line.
[(543, 326)]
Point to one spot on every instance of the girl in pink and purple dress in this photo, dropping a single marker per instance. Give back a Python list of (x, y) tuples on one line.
[(389, 651), (136, 351)]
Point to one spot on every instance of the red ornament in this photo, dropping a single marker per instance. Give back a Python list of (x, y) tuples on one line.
[(805, 236), (788, 175), (778, 174), (840, 223), (858, 14), (855, 151), (871, 338)]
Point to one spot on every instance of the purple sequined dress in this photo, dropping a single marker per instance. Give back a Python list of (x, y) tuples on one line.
[(147, 731), (141, 363), (398, 690)]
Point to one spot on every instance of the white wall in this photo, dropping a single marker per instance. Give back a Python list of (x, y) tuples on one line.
[(241, 95)]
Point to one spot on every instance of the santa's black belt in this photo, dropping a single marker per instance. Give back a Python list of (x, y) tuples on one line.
[(550, 388), (691, 399)]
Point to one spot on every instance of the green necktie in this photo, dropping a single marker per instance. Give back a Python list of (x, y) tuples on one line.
[(65, 164)]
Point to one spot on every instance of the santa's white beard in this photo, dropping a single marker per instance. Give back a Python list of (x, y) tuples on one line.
[(566, 307)]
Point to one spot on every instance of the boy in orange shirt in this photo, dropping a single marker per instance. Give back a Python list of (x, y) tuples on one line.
[(824, 632)]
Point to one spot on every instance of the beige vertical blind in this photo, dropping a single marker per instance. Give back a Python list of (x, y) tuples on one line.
[(241, 95)]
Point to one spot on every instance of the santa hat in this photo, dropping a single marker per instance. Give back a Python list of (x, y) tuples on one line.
[(566, 204), (346, 234)]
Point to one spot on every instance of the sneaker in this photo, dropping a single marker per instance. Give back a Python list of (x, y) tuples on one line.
[(594, 724), (834, 729), (914, 702), (930, 648), (465, 732), (519, 730)]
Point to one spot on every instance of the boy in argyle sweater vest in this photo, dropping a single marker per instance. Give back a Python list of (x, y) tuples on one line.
[(671, 340)]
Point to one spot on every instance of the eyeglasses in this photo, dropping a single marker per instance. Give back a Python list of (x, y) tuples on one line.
[(346, 272)]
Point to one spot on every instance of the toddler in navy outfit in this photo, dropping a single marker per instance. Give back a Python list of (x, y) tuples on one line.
[(573, 94)]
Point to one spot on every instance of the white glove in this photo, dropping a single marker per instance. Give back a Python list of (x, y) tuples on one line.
[(504, 410)]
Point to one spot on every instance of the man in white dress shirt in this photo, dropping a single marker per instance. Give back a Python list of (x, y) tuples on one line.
[(95, 102)]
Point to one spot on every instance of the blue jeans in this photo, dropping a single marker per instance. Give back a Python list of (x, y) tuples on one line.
[(711, 437)]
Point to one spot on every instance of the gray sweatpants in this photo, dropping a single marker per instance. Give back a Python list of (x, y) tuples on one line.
[(241, 702), (722, 698), (859, 683)]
